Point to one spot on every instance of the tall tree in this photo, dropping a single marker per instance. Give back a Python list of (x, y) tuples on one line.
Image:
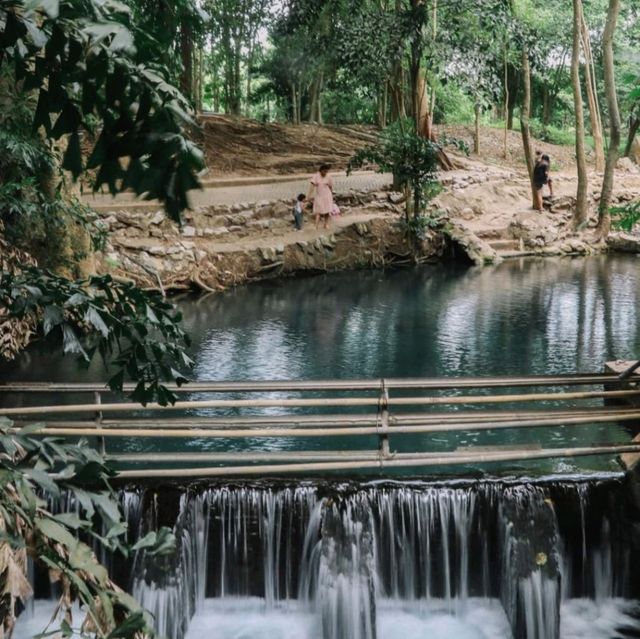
[(524, 119), (581, 211), (592, 96), (604, 220)]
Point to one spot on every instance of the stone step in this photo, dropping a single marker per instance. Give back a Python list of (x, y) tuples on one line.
[(492, 233), (505, 245), (504, 254)]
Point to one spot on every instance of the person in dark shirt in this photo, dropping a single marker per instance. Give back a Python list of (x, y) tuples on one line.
[(540, 178)]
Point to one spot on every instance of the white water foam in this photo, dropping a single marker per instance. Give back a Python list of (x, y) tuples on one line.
[(249, 618), (39, 619), (589, 619)]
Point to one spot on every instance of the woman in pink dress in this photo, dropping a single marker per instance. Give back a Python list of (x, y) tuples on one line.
[(322, 183)]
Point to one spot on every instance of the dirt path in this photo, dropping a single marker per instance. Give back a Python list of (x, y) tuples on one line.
[(229, 193)]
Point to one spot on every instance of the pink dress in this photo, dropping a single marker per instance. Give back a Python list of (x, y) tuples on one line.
[(323, 199)]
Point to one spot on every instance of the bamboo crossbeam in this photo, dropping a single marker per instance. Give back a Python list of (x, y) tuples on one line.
[(247, 456), (341, 421), (334, 385), (319, 402), (99, 431), (400, 460)]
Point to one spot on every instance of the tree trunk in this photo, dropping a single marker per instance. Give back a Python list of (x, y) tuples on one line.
[(186, 51), (604, 219), (249, 63), (476, 138), (294, 105), (423, 117), (634, 125), (546, 114), (506, 102), (319, 113), (524, 120), (513, 86), (592, 97), (580, 214), (383, 97)]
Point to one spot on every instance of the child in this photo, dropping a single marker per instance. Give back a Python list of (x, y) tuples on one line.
[(540, 178), (297, 212)]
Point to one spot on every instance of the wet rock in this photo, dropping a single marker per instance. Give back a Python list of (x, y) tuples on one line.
[(624, 242)]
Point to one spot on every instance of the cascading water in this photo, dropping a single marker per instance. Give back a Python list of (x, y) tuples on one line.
[(478, 560)]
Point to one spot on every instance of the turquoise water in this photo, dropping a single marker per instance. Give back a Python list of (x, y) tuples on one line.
[(522, 317)]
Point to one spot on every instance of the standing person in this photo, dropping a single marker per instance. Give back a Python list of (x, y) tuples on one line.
[(297, 212), (540, 178), (322, 183)]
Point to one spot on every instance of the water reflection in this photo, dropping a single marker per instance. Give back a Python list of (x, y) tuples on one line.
[(522, 317)]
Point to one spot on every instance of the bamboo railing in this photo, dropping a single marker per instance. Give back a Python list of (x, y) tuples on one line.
[(321, 412)]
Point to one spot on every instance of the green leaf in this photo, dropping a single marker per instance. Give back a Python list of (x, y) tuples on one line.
[(53, 530)]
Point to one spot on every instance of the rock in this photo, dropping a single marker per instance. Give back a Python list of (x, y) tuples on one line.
[(361, 228), (328, 242), (157, 218), (627, 165), (396, 198), (129, 218), (624, 242), (279, 248), (189, 231), (157, 250), (215, 232), (188, 245), (478, 251), (467, 213), (260, 224), (267, 254), (529, 226)]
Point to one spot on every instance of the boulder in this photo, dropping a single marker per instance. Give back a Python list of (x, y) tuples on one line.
[(627, 165)]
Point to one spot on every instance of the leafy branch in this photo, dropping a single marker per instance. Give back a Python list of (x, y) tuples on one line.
[(136, 333), (77, 57), (625, 217), (31, 467)]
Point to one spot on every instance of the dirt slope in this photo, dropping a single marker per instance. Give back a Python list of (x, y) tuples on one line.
[(238, 146)]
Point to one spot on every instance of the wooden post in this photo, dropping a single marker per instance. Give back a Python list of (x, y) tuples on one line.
[(98, 421), (383, 407)]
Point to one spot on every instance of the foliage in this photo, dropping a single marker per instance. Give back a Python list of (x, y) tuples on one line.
[(77, 56), (65, 544), (625, 217), (411, 158), (418, 227), (136, 333)]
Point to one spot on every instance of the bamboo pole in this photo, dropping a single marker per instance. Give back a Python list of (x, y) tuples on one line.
[(334, 432), (332, 385), (311, 402), (397, 461), (339, 421)]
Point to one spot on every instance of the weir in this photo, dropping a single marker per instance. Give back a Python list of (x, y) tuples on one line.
[(354, 560)]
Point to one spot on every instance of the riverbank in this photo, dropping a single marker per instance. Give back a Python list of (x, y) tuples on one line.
[(231, 237)]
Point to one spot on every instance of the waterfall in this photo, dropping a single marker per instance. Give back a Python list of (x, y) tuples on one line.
[(351, 555)]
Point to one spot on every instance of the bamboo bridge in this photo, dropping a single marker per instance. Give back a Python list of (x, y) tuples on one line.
[(271, 428)]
